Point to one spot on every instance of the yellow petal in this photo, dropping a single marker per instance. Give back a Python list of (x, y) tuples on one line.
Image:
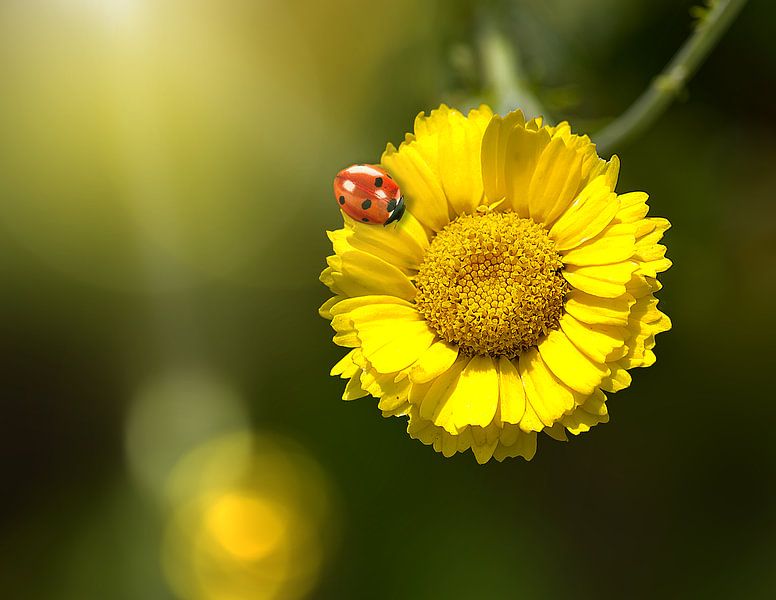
[(644, 227), (433, 362), (402, 244), (649, 253), (645, 323), (353, 389), (557, 432), (595, 404), (460, 143), (492, 432), (440, 389), (482, 447), (645, 310), (473, 399), (606, 281), (345, 368), (380, 315), (589, 414), (653, 267), (325, 309), (614, 244), (645, 358), (520, 444), (378, 318), (511, 393), (599, 311), (535, 124), (423, 193), (618, 380), (390, 404), (440, 164), (524, 147), (633, 207), (612, 172), (494, 153), (362, 274), (544, 392), (327, 279), (417, 392), (561, 130), (596, 167), (530, 421), (647, 247), (348, 305), (448, 444), (640, 286), (569, 364), (509, 434), (347, 339), (465, 439), (555, 182), (586, 217), (402, 410), (384, 386), (392, 345), (419, 428), (597, 342), (592, 165)]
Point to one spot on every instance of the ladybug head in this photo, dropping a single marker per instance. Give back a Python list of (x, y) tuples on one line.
[(397, 212)]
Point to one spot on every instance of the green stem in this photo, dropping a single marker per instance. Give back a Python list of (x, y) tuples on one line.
[(664, 88), (503, 73)]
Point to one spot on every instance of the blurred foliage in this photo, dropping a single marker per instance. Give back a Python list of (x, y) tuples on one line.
[(165, 171)]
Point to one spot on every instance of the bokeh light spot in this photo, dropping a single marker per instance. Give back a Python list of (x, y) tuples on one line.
[(251, 517), (247, 527)]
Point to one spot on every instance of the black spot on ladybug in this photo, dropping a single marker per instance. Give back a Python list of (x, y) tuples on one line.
[(378, 181), (391, 205), (365, 220), (366, 204), (342, 199)]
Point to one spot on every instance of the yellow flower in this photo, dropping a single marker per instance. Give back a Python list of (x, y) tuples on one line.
[(516, 290)]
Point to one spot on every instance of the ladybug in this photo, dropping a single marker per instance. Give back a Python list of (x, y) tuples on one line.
[(366, 193)]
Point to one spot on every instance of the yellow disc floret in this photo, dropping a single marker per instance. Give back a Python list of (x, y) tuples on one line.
[(491, 284)]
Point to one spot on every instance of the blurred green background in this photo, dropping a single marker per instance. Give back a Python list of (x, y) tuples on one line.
[(165, 185)]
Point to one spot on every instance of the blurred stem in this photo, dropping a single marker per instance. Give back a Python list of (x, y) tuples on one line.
[(503, 72), (665, 87)]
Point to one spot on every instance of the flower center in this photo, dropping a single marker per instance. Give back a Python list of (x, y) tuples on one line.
[(491, 284)]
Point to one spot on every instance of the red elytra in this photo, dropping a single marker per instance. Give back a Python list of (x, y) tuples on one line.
[(368, 194)]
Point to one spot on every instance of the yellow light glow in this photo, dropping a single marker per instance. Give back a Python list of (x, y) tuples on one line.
[(248, 527), (250, 519)]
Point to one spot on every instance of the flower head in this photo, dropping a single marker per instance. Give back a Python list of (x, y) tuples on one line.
[(514, 293)]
